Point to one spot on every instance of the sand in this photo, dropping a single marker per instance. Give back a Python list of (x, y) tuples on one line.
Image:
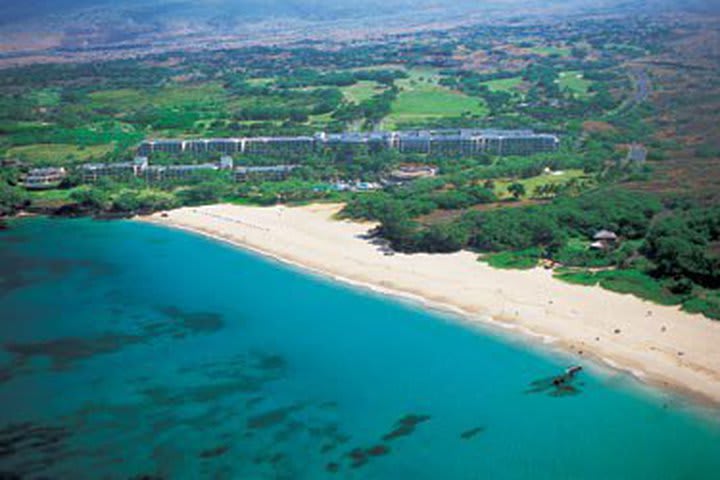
[(660, 345)]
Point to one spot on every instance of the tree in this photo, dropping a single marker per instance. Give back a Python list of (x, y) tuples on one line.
[(11, 199), (202, 193), (157, 200), (126, 201), (516, 189), (90, 197)]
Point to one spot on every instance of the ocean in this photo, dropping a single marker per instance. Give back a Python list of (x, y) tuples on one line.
[(128, 351)]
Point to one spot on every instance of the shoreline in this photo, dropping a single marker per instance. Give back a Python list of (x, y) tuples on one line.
[(680, 380)]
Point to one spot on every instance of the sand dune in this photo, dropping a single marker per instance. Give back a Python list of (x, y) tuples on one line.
[(661, 345)]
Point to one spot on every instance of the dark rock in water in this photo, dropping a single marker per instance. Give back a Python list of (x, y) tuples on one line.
[(147, 477), (329, 405), (64, 352), (378, 450), (194, 322), (357, 454), (565, 391), (405, 426), (271, 362), (44, 443), (271, 418), (3, 226), (9, 476), (559, 386), (113, 215), (214, 452), (468, 434), (289, 429), (269, 458), (251, 402), (332, 467)]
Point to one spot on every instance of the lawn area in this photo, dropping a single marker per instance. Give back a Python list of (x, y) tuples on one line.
[(547, 51), (532, 183), (173, 96), (120, 98), (46, 97), (190, 95), (362, 90), (260, 82), (574, 82), (504, 84), (55, 154), (421, 98), (47, 196)]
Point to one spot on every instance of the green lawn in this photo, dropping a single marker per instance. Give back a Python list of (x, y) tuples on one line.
[(120, 98), (51, 195), (46, 97), (260, 82), (574, 82), (421, 98), (361, 91), (504, 84), (173, 96), (55, 154), (547, 51), (532, 183)]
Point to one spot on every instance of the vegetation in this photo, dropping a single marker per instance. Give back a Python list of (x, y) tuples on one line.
[(514, 211), (523, 259)]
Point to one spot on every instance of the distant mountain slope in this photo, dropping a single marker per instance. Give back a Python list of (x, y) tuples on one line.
[(19, 11), (109, 27)]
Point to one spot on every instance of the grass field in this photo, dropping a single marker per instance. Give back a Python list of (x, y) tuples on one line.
[(532, 183), (56, 195), (547, 51), (421, 98), (504, 84), (55, 154), (175, 96), (260, 82), (120, 98), (361, 91), (574, 82), (46, 97)]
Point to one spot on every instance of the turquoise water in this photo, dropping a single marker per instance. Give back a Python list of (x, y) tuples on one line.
[(131, 350)]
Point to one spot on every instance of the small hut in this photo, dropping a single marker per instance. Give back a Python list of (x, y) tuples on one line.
[(604, 239)]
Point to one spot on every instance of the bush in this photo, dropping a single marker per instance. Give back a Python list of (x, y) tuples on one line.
[(523, 259), (707, 303), (638, 284), (12, 199), (90, 197)]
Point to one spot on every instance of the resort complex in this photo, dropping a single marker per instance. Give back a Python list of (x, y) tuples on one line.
[(449, 142), (463, 142), (44, 178)]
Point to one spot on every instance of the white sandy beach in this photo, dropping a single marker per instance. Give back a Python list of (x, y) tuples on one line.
[(662, 345)]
